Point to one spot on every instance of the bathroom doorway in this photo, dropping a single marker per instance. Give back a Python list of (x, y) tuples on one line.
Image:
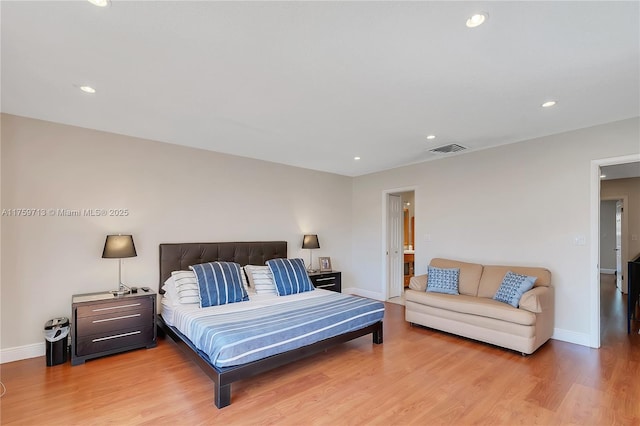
[(400, 246)]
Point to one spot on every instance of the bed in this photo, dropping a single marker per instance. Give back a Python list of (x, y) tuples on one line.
[(178, 257)]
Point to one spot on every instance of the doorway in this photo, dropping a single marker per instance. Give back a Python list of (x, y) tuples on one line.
[(595, 305), (613, 234), (400, 243)]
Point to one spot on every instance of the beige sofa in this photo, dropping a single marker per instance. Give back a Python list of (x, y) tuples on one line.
[(474, 314)]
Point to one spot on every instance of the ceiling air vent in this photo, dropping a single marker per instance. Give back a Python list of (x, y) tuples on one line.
[(447, 149)]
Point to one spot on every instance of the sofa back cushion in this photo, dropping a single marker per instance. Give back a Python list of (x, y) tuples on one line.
[(492, 276), (469, 274)]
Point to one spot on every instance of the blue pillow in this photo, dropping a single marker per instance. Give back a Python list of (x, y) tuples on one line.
[(513, 287), (219, 283), (440, 280), (290, 276)]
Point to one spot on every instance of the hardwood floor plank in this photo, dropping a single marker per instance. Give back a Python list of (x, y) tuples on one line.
[(418, 376)]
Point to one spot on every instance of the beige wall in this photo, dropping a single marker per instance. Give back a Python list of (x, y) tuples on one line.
[(173, 194), (520, 204), (517, 204), (629, 188)]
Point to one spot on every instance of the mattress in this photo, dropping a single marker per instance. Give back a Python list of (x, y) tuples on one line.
[(266, 325)]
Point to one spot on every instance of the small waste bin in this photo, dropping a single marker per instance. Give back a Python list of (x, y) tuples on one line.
[(56, 334)]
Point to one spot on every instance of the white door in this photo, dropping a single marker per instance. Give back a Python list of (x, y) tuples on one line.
[(619, 281), (395, 254)]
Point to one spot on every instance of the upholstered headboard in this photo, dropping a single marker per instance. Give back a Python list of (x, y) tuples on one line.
[(178, 257)]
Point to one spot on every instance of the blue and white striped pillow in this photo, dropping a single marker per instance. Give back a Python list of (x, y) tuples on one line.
[(290, 276), (220, 283)]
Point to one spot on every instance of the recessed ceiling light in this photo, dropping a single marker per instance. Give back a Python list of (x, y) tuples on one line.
[(356, 158), (87, 89), (549, 104), (100, 3), (431, 137), (477, 19)]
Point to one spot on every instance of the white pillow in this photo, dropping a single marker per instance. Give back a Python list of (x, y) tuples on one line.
[(261, 279), (186, 287), (245, 283), (170, 293), (247, 286)]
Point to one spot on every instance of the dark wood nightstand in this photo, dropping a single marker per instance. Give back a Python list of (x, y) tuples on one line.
[(103, 324), (327, 280)]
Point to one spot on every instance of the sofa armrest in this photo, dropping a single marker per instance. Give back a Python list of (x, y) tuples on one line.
[(537, 300), (418, 282)]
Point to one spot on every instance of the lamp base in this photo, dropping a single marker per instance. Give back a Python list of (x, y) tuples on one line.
[(121, 291)]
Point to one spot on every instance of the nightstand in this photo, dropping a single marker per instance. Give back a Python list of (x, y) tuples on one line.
[(103, 324), (327, 280)]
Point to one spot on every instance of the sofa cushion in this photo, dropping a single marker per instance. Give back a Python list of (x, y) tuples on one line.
[(472, 305), (470, 274), (492, 276), (513, 287), (441, 280), (482, 328)]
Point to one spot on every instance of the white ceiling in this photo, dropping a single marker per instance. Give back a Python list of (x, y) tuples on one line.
[(313, 84)]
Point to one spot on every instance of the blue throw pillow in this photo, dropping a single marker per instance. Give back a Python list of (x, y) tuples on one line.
[(440, 280), (290, 276), (219, 283), (513, 287)]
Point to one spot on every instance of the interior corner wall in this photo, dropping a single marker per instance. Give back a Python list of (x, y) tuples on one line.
[(526, 203), (170, 194)]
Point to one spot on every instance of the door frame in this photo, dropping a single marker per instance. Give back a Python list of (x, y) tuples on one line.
[(384, 278), (594, 290)]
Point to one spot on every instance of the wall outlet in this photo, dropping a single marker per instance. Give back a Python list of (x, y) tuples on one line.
[(580, 240)]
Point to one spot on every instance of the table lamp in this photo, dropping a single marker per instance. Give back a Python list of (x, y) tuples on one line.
[(119, 247), (310, 242)]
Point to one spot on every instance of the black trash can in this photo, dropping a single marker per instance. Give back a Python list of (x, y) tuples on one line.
[(56, 335)]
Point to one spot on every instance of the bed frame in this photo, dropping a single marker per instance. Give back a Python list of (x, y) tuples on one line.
[(175, 257)]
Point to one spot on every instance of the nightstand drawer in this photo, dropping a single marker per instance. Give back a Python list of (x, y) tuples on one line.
[(115, 308), (325, 283), (327, 280), (122, 339), (120, 320)]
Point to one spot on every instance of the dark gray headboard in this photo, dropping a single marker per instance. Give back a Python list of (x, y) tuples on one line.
[(178, 257)]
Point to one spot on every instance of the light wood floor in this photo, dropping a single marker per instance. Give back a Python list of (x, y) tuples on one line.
[(418, 376)]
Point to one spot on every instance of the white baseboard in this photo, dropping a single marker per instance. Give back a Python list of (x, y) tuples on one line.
[(22, 352), (607, 271), (364, 293), (571, 337)]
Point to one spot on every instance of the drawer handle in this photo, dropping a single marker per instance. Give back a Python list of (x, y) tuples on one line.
[(116, 318), (326, 285), (115, 307), (116, 336), (326, 279)]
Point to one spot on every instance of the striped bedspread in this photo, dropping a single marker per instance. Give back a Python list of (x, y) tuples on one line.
[(231, 338)]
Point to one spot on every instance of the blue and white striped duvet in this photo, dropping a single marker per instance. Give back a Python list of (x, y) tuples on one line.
[(250, 331)]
